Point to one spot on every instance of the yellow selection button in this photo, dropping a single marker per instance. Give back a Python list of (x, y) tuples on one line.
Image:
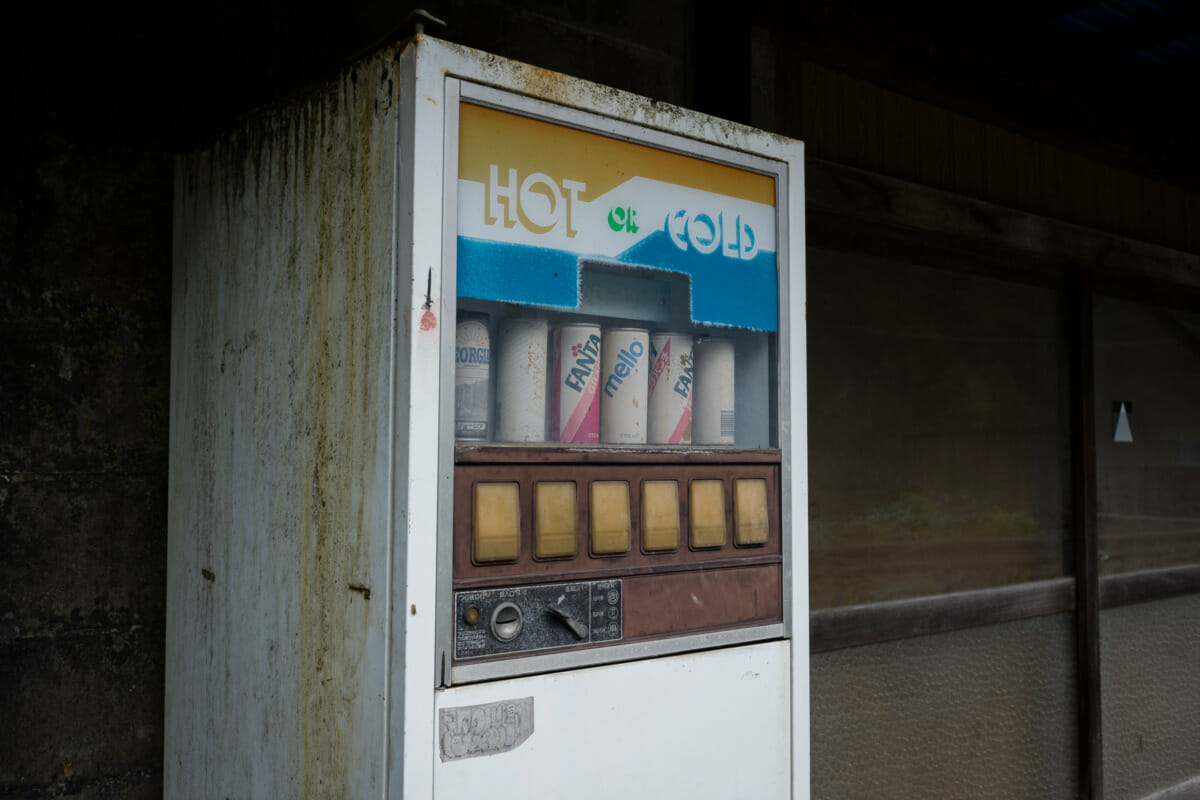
[(554, 519), (706, 508), (497, 531), (660, 515), (608, 509), (749, 511)]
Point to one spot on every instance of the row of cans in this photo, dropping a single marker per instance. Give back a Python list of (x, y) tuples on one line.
[(615, 385)]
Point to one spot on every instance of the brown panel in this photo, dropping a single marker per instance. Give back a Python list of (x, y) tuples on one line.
[(862, 122), (970, 165), (688, 602), (1003, 165), (527, 569), (900, 136), (935, 147)]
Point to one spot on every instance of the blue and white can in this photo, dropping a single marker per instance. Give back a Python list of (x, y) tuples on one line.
[(472, 377)]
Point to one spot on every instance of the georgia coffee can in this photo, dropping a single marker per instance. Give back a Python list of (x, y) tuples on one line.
[(575, 391), (712, 405), (624, 379), (521, 380), (670, 415), (472, 368)]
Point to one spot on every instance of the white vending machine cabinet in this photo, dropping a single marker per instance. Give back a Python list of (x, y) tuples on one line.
[(488, 448)]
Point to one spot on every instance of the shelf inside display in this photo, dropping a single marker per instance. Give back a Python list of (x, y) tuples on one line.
[(477, 453)]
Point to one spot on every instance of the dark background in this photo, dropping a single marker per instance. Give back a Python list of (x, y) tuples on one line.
[(1081, 112)]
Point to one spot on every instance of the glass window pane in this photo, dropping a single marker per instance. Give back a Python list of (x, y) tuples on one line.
[(938, 431), (981, 713), (1150, 695), (1147, 378)]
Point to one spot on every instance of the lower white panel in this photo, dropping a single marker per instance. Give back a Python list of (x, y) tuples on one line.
[(703, 725)]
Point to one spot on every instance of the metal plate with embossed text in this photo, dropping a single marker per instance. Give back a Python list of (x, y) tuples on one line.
[(554, 615), (486, 729)]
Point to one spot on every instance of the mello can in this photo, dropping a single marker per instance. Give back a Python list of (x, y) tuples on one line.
[(624, 385)]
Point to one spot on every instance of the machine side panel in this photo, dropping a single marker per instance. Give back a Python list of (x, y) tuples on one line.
[(281, 472), (708, 725)]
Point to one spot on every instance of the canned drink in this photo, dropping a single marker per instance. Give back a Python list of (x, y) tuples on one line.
[(623, 385), (670, 419), (575, 392), (521, 381), (472, 376), (712, 405)]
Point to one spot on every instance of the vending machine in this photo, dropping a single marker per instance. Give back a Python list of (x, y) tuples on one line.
[(591, 545)]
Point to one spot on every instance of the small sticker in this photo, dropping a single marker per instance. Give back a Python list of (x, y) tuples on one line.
[(1122, 432), (486, 729)]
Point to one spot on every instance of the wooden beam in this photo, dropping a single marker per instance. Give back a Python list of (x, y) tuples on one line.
[(1083, 491), (854, 626), (1149, 585), (871, 205)]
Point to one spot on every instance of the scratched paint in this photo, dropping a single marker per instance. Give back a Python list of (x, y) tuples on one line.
[(281, 358)]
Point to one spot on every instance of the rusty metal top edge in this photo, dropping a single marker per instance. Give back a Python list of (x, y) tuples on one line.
[(544, 84)]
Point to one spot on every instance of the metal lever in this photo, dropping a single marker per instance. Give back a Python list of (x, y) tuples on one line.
[(578, 628)]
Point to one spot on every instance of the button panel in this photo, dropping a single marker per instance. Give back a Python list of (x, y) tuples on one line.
[(628, 517), (516, 619)]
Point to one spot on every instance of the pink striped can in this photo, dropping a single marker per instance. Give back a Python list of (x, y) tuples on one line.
[(670, 419), (575, 392)]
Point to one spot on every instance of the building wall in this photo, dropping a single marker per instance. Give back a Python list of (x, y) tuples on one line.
[(84, 323), (856, 123)]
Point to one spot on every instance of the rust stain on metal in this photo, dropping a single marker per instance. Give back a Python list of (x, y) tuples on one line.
[(428, 321)]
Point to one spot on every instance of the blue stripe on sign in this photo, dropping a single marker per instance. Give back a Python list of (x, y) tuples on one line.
[(517, 273), (725, 291)]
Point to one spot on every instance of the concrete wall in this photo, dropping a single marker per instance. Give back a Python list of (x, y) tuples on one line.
[(84, 318)]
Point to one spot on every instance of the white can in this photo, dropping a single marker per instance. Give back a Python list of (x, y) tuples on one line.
[(575, 387), (472, 363), (712, 403), (670, 419), (623, 385), (521, 380)]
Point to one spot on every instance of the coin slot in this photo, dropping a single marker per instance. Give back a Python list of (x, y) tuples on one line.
[(507, 621)]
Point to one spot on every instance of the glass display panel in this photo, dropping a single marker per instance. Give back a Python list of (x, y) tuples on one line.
[(938, 431), (1147, 379), (610, 292), (1150, 696), (986, 712)]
